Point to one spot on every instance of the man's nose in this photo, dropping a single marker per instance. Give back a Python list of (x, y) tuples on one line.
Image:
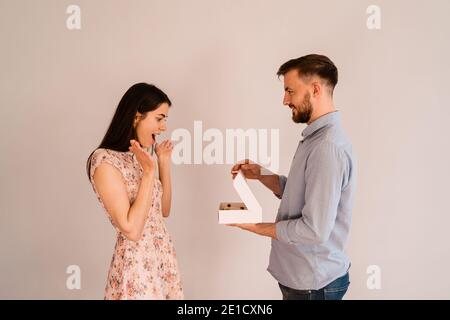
[(286, 101)]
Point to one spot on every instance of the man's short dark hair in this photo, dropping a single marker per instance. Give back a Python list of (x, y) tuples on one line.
[(312, 64)]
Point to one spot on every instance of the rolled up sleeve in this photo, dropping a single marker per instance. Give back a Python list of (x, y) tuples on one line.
[(282, 182), (324, 176)]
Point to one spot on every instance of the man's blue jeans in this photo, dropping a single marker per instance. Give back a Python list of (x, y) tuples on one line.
[(334, 291)]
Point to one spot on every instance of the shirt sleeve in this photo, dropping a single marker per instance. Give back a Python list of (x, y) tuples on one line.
[(282, 182), (324, 175)]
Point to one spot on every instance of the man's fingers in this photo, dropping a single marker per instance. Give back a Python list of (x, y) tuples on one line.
[(247, 167), (235, 167)]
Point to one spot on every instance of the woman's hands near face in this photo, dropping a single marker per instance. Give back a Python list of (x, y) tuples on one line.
[(143, 157), (164, 150)]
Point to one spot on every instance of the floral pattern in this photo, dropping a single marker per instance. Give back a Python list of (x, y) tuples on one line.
[(146, 269)]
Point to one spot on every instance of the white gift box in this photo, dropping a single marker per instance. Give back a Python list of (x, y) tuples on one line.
[(248, 211)]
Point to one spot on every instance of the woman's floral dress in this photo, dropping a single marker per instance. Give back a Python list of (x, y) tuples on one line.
[(146, 269)]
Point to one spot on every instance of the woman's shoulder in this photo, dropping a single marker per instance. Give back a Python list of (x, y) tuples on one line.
[(113, 157), (109, 153), (101, 154)]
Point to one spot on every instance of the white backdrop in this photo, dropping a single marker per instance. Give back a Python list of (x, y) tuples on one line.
[(217, 62)]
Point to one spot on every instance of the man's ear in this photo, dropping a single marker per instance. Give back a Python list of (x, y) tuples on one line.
[(316, 88)]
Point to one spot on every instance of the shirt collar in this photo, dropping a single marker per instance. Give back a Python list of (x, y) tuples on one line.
[(327, 119)]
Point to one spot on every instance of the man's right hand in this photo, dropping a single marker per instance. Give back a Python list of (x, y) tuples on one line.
[(249, 170)]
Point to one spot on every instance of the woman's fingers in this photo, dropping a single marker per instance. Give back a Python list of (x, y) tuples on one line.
[(165, 145), (169, 145), (136, 148), (138, 145)]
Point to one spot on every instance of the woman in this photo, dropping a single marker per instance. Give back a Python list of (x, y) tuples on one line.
[(122, 174)]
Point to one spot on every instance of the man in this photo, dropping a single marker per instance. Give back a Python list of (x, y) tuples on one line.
[(311, 229)]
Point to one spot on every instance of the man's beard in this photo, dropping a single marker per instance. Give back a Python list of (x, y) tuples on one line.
[(303, 114)]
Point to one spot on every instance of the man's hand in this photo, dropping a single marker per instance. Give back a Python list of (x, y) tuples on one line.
[(253, 171), (249, 170), (264, 229)]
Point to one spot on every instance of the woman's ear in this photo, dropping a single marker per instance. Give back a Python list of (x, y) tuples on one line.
[(137, 118)]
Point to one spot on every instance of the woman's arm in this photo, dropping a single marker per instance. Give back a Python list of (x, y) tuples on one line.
[(164, 152), (164, 176), (130, 219)]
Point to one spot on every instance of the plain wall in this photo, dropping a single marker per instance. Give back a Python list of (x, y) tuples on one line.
[(217, 62)]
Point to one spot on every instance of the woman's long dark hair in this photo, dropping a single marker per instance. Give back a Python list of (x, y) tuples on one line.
[(141, 97)]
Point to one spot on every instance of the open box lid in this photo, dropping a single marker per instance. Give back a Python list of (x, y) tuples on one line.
[(246, 194)]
